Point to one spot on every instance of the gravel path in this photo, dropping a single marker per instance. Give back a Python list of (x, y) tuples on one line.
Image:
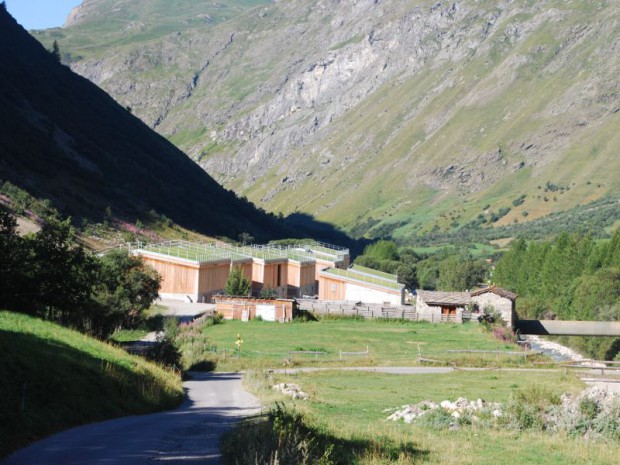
[(189, 434)]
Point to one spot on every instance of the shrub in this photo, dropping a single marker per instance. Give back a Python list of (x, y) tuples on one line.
[(436, 419)]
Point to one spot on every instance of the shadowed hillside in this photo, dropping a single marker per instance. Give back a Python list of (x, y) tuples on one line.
[(64, 139)]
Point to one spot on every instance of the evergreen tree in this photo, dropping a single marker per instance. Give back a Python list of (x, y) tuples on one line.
[(237, 283), (56, 51)]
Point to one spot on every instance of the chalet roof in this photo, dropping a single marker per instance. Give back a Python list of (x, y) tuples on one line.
[(444, 298), (496, 290)]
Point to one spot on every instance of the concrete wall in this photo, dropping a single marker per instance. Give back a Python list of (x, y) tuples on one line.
[(357, 293), (500, 304)]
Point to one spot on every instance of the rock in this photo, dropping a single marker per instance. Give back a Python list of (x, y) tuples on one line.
[(292, 390)]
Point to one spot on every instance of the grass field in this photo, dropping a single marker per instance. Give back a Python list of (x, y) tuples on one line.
[(349, 409), (389, 343), (352, 409), (52, 378)]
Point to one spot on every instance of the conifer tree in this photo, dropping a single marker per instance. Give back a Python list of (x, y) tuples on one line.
[(237, 284), (56, 51)]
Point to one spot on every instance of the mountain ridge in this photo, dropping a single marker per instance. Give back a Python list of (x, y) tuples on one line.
[(409, 115), (65, 140)]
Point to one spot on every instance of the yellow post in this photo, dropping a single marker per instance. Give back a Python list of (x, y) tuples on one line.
[(238, 343)]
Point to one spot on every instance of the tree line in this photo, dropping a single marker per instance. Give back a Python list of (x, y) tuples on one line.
[(572, 277), (49, 275), (448, 269)]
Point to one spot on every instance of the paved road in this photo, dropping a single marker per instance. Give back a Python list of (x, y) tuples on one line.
[(189, 434), (185, 311)]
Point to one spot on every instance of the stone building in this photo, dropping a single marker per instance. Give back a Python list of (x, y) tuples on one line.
[(438, 306), (499, 299)]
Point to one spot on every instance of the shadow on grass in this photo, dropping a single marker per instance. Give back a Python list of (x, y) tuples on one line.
[(47, 385), (284, 437)]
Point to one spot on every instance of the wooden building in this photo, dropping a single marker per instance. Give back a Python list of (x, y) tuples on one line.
[(192, 272), (196, 272), (235, 308), (301, 277)]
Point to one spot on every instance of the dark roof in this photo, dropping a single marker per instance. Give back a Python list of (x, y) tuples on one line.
[(496, 290), (444, 298)]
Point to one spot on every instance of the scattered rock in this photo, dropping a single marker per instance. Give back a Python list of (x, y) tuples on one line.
[(456, 409), (292, 390)]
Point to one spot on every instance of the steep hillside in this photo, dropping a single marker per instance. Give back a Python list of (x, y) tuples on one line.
[(380, 116), (52, 378), (64, 139)]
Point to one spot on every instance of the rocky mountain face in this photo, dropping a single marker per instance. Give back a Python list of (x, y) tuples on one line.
[(64, 139), (384, 116)]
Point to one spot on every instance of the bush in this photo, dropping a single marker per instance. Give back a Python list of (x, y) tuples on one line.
[(195, 346), (436, 419)]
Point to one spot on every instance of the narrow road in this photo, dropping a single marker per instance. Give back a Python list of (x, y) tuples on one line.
[(189, 434)]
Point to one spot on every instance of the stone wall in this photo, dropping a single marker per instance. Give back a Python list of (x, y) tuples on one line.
[(500, 304)]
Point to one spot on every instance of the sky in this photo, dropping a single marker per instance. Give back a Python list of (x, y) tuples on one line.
[(41, 14)]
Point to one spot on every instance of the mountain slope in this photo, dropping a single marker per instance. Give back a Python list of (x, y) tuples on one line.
[(385, 116), (53, 378), (64, 139)]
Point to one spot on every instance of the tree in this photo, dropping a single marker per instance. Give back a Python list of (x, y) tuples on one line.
[(13, 263), (125, 288), (246, 238), (237, 283), (268, 293), (3, 6), (407, 276), (382, 250), (597, 296), (61, 274), (56, 51), (459, 273)]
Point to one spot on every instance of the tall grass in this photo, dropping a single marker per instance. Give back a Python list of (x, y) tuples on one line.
[(52, 378), (286, 437)]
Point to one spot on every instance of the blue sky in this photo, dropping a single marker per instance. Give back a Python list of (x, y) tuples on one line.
[(41, 14)]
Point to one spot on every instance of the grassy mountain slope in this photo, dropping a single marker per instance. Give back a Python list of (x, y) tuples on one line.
[(64, 139), (398, 117), (52, 378)]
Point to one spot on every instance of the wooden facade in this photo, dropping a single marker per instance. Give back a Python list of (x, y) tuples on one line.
[(301, 279), (234, 308), (179, 277), (331, 288), (270, 274), (196, 272)]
